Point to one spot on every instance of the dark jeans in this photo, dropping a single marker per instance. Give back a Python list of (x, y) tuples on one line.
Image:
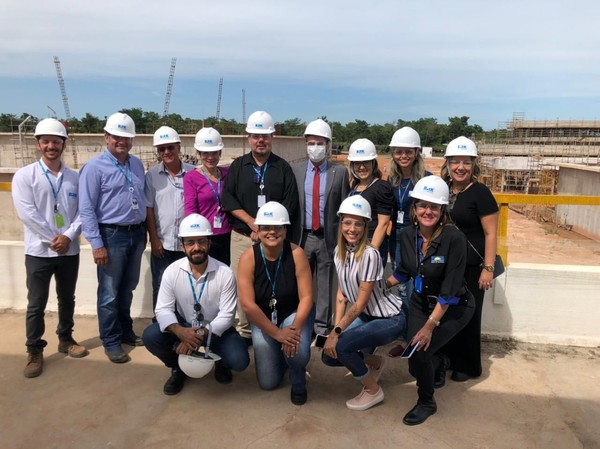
[(220, 248), (158, 267), (423, 364), (39, 273), (230, 346)]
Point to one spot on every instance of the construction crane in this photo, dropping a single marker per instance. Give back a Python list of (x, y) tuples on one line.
[(169, 87), (63, 92), (219, 99)]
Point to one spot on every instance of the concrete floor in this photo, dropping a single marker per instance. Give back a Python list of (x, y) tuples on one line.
[(530, 396)]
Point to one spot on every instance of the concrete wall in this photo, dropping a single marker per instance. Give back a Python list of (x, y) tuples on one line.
[(530, 302), (579, 180)]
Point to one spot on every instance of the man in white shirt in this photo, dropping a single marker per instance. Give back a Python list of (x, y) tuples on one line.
[(196, 307), (164, 201), (45, 195)]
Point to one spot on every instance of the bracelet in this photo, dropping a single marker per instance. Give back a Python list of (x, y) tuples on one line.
[(434, 321)]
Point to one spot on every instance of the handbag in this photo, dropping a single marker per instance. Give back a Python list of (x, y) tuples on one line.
[(498, 262)]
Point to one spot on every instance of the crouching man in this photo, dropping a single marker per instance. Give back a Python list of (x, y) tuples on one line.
[(196, 306)]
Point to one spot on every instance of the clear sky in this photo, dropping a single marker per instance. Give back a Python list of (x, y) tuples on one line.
[(375, 60)]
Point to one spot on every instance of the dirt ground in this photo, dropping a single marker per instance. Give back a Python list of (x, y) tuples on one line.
[(530, 396)]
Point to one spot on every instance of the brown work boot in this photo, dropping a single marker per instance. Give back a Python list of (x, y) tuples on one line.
[(35, 364), (71, 347)]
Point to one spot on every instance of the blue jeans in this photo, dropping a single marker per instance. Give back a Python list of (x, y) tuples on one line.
[(158, 267), (270, 361), (364, 332), (230, 347), (116, 282)]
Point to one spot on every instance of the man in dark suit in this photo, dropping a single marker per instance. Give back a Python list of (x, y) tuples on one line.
[(322, 186)]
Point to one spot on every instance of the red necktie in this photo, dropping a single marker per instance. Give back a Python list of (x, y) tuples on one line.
[(315, 201)]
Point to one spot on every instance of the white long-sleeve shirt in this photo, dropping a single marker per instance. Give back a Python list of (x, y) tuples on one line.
[(218, 300), (34, 201)]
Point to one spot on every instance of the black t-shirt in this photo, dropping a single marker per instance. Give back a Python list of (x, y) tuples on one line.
[(471, 204), (286, 284), (380, 198)]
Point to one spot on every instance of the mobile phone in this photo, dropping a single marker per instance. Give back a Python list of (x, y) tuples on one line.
[(320, 340), (410, 350)]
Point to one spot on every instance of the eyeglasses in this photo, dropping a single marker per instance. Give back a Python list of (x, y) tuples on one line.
[(406, 151), (268, 228), (261, 136), (56, 142), (353, 223), (430, 206), (193, 242), (365, 164), (456, 163), (164, 148), (117, 138)]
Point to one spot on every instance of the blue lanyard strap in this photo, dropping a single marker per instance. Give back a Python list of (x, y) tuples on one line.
[(217, 192), (260, 171), (271, 281), (127, 173), (197, 298), (55, 192)]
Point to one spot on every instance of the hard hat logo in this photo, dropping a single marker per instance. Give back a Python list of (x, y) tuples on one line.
[(357, 205), (462, 147), (428, 189), (360, 151), (195, 226), (121, 126), (164, 136), (268, 214), (208, 141), (258, 125)]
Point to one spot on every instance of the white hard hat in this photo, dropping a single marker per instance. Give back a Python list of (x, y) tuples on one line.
[(165, 135), (272, 213), (362, 150), (50, 127), (431, 188), (197, 365), (406, 137), (355, 205), (120, 124), (318, 127), (194, 225), (208, 139), (461, 146), (260, 122)]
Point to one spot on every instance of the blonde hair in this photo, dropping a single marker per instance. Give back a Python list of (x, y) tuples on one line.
[(360, 246), (475, 171), (417, 171)]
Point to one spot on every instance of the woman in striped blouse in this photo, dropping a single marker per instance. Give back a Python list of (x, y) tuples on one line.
[(373, 316)]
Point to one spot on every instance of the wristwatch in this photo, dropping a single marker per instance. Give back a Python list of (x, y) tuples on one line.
[(337, 330), (489, 268)]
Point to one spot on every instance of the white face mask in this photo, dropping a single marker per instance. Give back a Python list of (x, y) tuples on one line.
[(316, 153)]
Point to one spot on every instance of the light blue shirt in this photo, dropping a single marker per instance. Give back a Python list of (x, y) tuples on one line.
[(308, 193), (110, 194)]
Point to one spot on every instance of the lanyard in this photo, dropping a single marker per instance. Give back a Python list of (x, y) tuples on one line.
[(260, 171), (55, 192), (197, 298), (128, 175), (274, 280), (403, 191), (217, 192), (355, 192), (177, 185)]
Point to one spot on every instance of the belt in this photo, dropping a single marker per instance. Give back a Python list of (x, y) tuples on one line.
[(319, 232), (131, 227)]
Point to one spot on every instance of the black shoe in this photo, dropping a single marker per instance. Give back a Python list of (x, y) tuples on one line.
[(117, 355), (460, 377), (439, 379), (299, 398), (134, 340), (420, 413), (222, 373), (174, 384)]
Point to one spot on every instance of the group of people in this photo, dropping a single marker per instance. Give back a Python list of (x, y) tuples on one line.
[(266, 254)]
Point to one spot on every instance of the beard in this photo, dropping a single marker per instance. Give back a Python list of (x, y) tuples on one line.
[(197, 257)]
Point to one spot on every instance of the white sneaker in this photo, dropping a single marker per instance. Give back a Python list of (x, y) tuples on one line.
[(365, 400)]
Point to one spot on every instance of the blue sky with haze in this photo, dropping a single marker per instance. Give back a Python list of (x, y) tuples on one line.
[(378, 61)]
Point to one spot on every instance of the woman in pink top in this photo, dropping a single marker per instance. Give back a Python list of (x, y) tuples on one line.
[(202, 190)]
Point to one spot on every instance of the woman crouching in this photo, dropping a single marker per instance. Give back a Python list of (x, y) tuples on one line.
[(434, 256), (374, 315)]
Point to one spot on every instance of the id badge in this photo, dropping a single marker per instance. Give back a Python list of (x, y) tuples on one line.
[(262, 199), (59, 220), (419, 284), (274, 317), (400, 219), (134, 204), (217, 222)]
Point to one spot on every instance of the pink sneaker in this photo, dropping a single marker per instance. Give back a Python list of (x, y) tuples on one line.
[(365, 400)]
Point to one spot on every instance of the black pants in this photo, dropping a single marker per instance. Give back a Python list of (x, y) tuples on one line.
[(39, 273), (464, 349), (423, 364)]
